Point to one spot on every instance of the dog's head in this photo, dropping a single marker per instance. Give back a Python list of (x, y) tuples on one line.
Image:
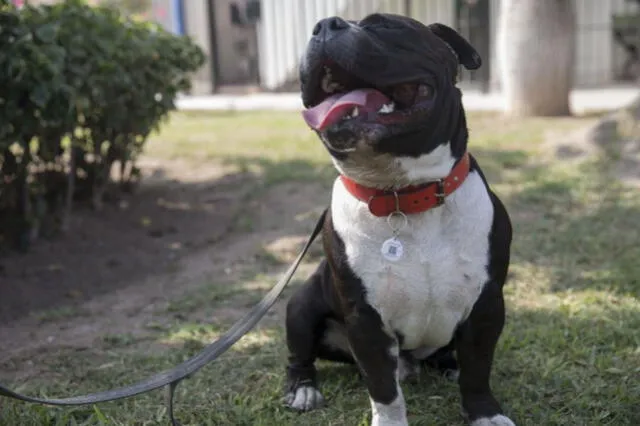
[(381, 95)]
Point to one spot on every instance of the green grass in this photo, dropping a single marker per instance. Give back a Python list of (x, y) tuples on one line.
[(277, 147), (569, 354)]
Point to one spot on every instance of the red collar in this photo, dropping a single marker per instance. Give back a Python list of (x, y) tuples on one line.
[(412, 199)]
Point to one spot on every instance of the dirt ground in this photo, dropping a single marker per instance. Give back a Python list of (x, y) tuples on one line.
[(114, 268)]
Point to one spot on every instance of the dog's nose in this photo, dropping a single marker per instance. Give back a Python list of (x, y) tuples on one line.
[(329, 26)]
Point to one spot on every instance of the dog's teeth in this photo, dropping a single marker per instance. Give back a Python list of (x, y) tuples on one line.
[(327, 83), (387, 108), (354, 113), (330, 86)]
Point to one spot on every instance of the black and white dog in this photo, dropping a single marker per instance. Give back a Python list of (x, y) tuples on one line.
[(416, 244)]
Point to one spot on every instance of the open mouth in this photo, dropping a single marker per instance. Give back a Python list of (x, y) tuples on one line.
[(339, 97)]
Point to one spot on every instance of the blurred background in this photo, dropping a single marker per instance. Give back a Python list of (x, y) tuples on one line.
[(256, 44)]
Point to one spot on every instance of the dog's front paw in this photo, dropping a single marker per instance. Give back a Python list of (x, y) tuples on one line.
[(393, 414), (304, 398), (498, 420), (378, 420)]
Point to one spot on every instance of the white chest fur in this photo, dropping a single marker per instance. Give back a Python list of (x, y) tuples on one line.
[(427, 292)]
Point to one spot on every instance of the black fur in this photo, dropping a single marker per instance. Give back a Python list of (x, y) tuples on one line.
[(383, 50)]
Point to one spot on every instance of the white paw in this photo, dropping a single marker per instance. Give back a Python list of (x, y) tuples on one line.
[(378, 420), (305, 398), (394, 414), (498, 420)]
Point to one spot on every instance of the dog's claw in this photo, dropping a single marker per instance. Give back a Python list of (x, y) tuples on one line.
[(304, 398)]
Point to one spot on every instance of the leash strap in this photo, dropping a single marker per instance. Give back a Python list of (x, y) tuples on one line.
[(174, 376)]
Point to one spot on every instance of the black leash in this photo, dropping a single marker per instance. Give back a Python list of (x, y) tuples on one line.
[(174, 376)]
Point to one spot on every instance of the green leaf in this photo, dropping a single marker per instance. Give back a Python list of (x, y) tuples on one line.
[(47, 33), (40, 95), (17, 69)]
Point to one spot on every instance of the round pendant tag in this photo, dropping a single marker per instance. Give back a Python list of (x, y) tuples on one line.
[(392, 249)]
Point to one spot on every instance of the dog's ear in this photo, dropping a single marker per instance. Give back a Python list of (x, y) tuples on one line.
[(466, 53)]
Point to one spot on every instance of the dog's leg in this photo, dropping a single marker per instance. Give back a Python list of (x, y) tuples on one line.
[(377, 354), (306, 314), (475, 344), (408, 367)]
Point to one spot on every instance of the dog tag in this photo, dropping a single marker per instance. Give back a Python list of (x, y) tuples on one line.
[(392, 249)]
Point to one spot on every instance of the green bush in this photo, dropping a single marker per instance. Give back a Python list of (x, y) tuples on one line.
[(81, 90)]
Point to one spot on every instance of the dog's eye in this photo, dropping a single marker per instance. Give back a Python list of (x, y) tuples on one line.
[(424, 91), (405, 94)]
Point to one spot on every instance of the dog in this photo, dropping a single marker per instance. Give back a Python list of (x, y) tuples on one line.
[(416, 245)]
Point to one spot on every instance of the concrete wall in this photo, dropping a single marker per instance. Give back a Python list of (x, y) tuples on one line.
[(618, 54), (236, 47), (442, 11), (197, 26), (594, 50)]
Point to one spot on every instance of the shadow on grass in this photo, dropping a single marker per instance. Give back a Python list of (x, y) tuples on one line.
[(273, 172), (144, 234), (147, 233), (496, 162), (582, 226), (580, 223)]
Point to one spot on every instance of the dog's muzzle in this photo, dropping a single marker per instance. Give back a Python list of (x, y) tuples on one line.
[(372, 79)]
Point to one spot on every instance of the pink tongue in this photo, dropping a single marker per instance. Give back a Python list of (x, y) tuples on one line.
[(335, 107)]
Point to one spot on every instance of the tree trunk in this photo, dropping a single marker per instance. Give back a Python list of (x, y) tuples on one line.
[(536, 48), (71, 185)]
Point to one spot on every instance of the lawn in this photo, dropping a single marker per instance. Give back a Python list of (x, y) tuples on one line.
[(569, 354)]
